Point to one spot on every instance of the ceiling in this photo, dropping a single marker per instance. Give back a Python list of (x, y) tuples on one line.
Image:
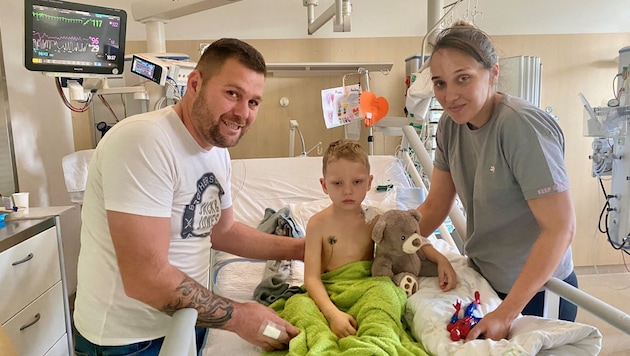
[(285, 19)]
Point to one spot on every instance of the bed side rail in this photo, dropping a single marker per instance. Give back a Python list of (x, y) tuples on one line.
[(457, 217), (604, 311), (181, 334)]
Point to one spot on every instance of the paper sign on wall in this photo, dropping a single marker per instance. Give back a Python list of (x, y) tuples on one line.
[(341, 105)]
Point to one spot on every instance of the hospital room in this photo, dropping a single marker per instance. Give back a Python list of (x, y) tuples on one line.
[(359, 70)]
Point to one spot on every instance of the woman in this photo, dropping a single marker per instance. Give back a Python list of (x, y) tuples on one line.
[(504, 158)]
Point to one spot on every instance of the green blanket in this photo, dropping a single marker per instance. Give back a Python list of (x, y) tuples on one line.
[(375, 303)]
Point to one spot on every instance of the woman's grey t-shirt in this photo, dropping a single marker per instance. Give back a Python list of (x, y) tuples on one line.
[(516, 156)]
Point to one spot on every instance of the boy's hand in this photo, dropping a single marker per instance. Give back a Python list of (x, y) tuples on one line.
[(342, 324), (447, 278)]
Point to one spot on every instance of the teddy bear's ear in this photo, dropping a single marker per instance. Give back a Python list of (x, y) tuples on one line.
[(379, 229), (416, 214)]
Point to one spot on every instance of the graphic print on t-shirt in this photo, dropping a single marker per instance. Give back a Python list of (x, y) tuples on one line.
[(204, 209)]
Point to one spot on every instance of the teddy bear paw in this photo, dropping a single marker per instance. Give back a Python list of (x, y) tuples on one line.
[(409, 284)]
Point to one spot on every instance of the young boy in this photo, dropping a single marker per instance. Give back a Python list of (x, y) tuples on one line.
[(339, 234)]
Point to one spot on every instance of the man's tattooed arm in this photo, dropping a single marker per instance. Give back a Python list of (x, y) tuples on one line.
[(213, 310)]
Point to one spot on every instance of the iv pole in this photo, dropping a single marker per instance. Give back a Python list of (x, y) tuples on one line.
[(365, 75)]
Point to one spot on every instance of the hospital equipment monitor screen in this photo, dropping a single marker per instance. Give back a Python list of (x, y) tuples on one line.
[(68, 39)]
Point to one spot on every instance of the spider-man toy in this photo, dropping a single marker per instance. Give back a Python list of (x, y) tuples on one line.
[(459, 328)]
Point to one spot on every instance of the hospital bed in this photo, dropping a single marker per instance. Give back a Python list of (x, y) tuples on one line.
[(293, 183), (258, 184)]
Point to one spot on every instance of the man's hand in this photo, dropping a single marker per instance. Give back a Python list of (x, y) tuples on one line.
[(251, 317)]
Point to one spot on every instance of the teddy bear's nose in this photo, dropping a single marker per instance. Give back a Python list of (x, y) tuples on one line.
[(416, 242)]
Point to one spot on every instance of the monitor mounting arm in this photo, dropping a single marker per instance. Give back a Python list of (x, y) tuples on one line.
[(340, 11), (155, 13)]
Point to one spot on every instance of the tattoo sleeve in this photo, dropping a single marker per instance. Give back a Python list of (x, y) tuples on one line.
[(213, 310)]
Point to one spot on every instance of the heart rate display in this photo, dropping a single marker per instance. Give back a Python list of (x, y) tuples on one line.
[(74, 38)]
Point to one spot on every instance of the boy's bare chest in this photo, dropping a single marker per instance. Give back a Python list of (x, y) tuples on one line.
[(345, 243)]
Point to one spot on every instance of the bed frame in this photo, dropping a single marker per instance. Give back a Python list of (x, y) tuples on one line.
[(419, 166)]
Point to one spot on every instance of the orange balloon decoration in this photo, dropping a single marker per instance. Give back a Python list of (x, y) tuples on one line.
[(373, 108)]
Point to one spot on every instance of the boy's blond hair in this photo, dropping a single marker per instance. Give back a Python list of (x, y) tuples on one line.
[(346, 149)]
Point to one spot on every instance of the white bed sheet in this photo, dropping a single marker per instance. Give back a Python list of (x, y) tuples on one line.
[(294, 182)]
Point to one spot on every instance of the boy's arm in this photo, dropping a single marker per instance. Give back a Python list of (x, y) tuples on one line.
[(447, 277), (313, 269)]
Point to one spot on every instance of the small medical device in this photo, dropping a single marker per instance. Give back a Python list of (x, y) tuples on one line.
[(153, 69), (65, 39), (162, 68)]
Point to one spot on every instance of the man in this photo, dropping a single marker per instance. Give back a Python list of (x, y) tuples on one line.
[(157, 197)]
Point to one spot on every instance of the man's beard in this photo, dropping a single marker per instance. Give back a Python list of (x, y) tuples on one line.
[(210, 126)]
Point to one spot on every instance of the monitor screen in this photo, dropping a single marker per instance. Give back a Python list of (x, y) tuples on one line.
[(73, 40)]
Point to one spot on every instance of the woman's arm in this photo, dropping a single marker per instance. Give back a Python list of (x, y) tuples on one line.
[(438, 202)]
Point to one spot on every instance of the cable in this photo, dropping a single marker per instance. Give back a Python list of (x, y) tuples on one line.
[(123, 99), (173, 85), (240, 188), (108, 106), (159, 103), (605, 211), (302, 141), (615, 92)]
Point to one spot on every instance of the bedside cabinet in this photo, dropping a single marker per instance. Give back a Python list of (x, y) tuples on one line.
[(34, 309)]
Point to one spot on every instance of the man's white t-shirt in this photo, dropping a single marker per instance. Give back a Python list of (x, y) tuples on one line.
[(148, 165)]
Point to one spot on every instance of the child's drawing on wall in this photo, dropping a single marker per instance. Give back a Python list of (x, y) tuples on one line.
[(341, 105)]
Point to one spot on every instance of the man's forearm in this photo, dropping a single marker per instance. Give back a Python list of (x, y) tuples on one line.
[(248, 242), (213, 310)]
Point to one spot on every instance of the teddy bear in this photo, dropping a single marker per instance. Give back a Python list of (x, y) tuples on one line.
[(398, 255)]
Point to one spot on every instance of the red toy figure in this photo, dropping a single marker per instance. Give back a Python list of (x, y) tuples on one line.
[(459, 328)]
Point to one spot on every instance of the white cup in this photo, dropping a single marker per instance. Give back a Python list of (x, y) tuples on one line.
[(21, 201)]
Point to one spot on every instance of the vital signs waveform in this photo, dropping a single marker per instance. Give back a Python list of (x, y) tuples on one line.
[(79, 21), (66, 44)]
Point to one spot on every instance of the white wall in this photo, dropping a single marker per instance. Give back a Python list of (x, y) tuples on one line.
[(41, 125)]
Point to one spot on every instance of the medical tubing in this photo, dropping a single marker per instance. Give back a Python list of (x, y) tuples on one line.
[(106, 103), (605, 210), (304, 153)]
